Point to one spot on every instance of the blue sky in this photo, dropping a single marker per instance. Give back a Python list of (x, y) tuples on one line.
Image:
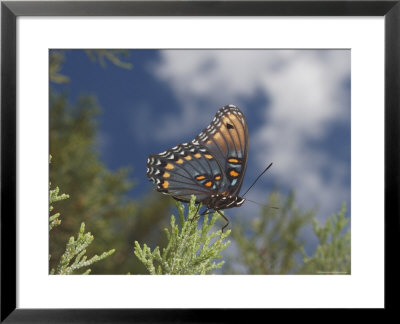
[(297, 105)]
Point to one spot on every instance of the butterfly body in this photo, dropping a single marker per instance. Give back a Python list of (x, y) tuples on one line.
[(218, 202), (211, 167)]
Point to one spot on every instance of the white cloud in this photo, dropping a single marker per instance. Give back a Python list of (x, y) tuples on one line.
[(306, 95)]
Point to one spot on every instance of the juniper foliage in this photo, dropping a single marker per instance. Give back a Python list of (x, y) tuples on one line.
[(54, 197), (112, 55), (270, 243), (333, 254), (190, 250), (101, 56), (74, 257), (275, 241), (56, 60)]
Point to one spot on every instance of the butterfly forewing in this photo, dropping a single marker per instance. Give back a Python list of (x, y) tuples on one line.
[(226, 138), (213, 163)]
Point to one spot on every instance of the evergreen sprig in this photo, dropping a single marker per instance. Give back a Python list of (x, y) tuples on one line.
[(77, 249), (112, 55), (270, 243), (54, 197), (190, 250), (56, 62), (333, 254)]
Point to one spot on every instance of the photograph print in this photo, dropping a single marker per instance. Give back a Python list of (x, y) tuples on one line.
[(200, 161)]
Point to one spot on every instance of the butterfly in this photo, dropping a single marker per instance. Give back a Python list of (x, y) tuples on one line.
[(211, 167)]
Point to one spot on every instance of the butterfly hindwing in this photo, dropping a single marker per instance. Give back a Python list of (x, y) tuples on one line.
[(213, 163)]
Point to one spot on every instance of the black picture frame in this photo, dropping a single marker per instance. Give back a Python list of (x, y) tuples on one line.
[(10, 10)]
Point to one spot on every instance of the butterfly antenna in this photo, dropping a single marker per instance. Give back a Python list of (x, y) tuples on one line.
[(255, 202), (257, 179)]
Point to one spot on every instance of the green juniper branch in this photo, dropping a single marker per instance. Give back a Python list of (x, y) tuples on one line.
[(271, 242), (56, 62), (189, 250), (54, 197), (75, 248), (112, 55), (115, 56), (333, 254)]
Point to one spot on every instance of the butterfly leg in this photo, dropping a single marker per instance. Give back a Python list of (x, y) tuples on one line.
[(226, 219), (198, 208), (196, 214), (205, 212)]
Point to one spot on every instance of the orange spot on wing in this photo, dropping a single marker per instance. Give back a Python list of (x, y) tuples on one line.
[(209, 142), (208, 184), (197, 155), (208, 156), (200, 177), (233, 173), (169, 166), (166, 175), (165, 184), (188, 157), (180, 161), (232, 160), (217, 177)]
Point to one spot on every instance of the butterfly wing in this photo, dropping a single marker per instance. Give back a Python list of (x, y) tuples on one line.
[(214, 162), (227, 139), (184, 170)]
